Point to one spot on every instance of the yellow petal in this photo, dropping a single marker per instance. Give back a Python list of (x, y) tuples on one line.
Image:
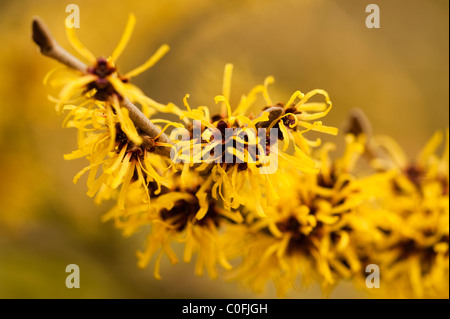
[(125, 37), (226, 112), (226, 87), (268, 80), (431, 147), (150, 62), (79, 47)]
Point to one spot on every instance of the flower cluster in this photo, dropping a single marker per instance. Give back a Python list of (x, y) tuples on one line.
[(313, 218)]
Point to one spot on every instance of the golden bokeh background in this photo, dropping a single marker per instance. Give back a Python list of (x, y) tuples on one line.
[(397, 74)]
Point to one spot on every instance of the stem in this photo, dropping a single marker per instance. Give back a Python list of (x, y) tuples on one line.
[(49, 47), (141, 121)]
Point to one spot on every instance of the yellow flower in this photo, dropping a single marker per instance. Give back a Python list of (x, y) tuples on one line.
[(308, 234), (295, 116), (172, 217), (411, 247), (101, 80), (122, 160), (246, 178)]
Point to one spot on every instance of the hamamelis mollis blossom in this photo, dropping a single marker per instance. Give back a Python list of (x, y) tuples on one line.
[(119, 160), (241, 181), (283, 210), (101, 80), (119, 151), (307, 236), (172, 217), (411, 240)]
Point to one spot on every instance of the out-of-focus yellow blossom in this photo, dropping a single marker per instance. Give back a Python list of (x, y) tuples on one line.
[(308, 235), (172, 217), (412, 243)]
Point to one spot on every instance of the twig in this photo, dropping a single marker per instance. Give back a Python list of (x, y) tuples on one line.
[(49, 47), (147, 127), (358, 123)]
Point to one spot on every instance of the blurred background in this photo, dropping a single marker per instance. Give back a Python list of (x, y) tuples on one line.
[(397, 74)]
